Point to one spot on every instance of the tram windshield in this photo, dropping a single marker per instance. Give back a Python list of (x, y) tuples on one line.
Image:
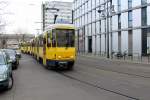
[(65, 37)]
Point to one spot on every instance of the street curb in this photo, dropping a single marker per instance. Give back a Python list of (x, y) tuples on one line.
[(103, 58)]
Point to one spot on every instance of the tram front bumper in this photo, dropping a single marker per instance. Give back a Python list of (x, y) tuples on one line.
[(60, 63)]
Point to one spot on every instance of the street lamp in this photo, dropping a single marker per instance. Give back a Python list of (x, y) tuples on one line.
[(107, 12), (52, 9)]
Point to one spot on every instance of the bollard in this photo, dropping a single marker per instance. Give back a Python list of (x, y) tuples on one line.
[(148, 57)]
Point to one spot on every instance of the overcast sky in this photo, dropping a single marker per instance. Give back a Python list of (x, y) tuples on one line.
[(22, 15)]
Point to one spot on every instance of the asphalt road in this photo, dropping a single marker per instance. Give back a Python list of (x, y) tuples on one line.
[(91, 79)]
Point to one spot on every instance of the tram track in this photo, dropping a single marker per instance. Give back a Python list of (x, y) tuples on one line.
[(98, 86), (119, 72), (141, 76), (71, 76), (82, 67)]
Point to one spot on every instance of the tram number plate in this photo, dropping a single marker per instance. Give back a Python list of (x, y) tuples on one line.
[(62, 62)]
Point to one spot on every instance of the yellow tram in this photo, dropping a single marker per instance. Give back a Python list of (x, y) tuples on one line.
[(56, 46), (23, 47)]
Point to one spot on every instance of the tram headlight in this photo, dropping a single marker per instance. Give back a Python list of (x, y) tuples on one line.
[(59, 57), (71, 56)]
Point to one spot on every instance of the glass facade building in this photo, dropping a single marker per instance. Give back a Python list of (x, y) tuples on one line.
[(129, 26), (64, 13)]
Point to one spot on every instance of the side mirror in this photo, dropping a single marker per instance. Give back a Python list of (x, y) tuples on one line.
[(18, 55), (10, 61)]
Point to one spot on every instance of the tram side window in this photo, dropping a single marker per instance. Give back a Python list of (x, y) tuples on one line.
[(49, 39), (54, 38), (41, 41), (71, 38), (37, 44), (44, 40)]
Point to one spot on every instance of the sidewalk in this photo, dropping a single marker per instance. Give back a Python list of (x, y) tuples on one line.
[(136, 60)]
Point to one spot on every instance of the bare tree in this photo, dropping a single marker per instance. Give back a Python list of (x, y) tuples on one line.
[(21, 34), (2, 23)]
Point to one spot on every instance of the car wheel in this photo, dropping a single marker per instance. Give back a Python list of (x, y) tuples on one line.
[(10, 82)]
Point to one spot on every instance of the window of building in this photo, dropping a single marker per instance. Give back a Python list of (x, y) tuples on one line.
[(97, 2), (79, 11), (76, 13), (143, 2), (119, 21), (97, 27), (89, 17), (100, 26), (89, 29), (77, 22), (89, 5), (80, 21), (86, 30), (144, 16), (83, 7), (93, 3), (83, 20), (79, 2), (86, 18), (93, 29), (144, 42), (97, 14), (130, 42), (130, 19), (119, 5), (129, 3), (86, 7), (93, 15)]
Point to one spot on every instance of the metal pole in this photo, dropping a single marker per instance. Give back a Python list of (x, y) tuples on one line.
[(72, 16), (107, 33), (111, 31)]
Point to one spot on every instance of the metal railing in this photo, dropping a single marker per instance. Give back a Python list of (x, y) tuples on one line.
[(123, 56)]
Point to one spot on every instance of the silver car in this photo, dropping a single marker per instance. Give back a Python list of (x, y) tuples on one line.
[(13, 56), (6, 77)]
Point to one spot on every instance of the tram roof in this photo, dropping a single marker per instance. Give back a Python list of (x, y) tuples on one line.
[(61, 26)]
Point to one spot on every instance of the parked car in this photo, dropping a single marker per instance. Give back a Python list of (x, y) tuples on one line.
[(13, 56), (6, 77), (18, 53)]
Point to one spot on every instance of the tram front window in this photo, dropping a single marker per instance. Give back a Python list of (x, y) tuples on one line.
[(65, 38)]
